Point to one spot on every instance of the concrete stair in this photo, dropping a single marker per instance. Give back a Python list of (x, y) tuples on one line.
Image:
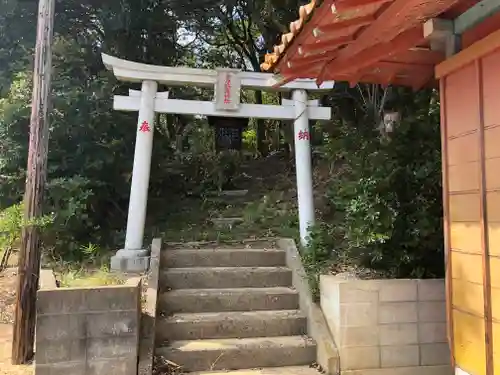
[(232, 324), (236, 353), (226, 277), (187, 258), (291, 370), (219, 300), (232, 309)]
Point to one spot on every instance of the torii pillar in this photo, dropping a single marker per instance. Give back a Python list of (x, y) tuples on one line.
[(133, 257)]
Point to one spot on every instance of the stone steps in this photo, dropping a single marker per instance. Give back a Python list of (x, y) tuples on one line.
[(233, 299), (187, 258), (290, 370), (230, 308), (235, 353), (226, 277), (231, 324)]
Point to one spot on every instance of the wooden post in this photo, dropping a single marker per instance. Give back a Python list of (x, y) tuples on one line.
[(29, 261)]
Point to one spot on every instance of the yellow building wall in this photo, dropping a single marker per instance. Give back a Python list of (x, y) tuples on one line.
[(470, 98)]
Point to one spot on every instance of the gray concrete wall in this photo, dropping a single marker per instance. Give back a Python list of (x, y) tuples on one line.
[(327, 355), (387, 324), (87, 331), (149, 314)]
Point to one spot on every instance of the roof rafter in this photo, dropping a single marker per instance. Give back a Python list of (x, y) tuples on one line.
[(340, 24), (373, 54), (325, 45), (384, 23), (343, 5), (374, 41), (397, 10)]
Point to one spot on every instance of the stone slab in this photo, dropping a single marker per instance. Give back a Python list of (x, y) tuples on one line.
[(133, 264), (233, 299), (230, 354)]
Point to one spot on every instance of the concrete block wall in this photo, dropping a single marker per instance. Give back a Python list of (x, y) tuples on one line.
[(87, 331), (149, 313), (387, 324)]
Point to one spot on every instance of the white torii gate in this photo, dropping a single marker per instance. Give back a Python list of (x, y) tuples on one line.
[(227, 85)]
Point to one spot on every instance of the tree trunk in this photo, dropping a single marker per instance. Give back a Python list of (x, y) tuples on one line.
[(287, 128), (261, 129), (30, 252)]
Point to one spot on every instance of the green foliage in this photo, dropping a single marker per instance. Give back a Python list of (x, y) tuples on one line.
[(385, 196), (11, 224), (318, 255), (272, 216), (250, 139)]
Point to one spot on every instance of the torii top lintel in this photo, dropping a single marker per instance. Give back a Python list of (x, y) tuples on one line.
[(130, 71), (375, 41)]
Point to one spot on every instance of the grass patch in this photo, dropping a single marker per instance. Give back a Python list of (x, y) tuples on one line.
[(88, 277), (269, 215)]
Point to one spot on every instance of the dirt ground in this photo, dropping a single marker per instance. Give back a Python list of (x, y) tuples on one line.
[(7, 303)]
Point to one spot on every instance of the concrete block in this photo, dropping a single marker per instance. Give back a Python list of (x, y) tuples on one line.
[(148, 326), (429, 333), (398, 334), (56, 351), (130, 261), (226, 222), (60, 327), (360, 358), (359, 291), (146, 357), (431, 290), (112, 366), (112, 347), (66, 368), (434, 354), (47, 279), (60, 301), (432, 311), (399, 356), (78, 300), (358, 314), (398, 291), (397, 312), (330, 305), (120, 297), (357, 336), (113, 323)]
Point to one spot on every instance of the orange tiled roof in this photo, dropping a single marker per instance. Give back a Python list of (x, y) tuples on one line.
[(376, 41), (305, 13)]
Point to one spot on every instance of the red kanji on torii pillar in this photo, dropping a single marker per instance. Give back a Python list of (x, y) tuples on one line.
[(145, 128), (303, 135)]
